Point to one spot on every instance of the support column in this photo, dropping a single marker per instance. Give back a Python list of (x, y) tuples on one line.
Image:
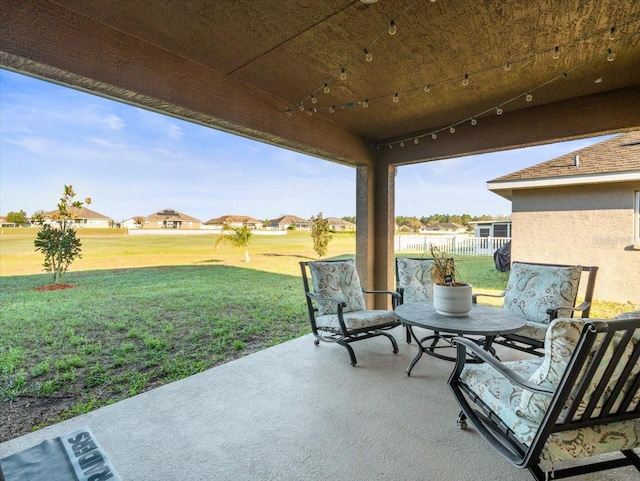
[(375, 221)]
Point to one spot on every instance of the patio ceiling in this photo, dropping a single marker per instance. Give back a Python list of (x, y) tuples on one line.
[(240, 65)]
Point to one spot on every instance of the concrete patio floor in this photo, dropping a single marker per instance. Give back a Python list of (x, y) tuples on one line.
[(299, 412)]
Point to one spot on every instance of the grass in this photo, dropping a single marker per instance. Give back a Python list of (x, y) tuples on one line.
[(148, 310)]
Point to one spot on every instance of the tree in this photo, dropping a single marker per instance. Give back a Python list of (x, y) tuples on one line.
[(17, 218), (321, 234), (56, 238), (350, 218), (237, 237)]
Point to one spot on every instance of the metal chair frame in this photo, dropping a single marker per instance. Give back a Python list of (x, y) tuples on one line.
[(535, 346), (491, 428), (342, 335)]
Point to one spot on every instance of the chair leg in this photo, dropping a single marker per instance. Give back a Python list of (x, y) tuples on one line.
[(393, 341), (352, 354)]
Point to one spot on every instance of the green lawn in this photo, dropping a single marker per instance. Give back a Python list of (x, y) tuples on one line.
[(147, 310)]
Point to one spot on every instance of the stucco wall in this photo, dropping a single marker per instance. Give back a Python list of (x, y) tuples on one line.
[(587, 225)]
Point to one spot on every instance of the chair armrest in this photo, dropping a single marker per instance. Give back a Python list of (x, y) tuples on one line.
[(553, 312), (463, 344), (474, 297), (317, 298), (393, 294)]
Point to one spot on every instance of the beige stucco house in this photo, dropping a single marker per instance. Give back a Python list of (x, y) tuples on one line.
[(287, 221), (170, 219), (582, 208), (234, 221), (83, 217)]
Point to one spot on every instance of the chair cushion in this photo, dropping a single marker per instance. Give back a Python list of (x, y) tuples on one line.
[(534, 330), (560, 343), (502, 398), (415, 277), (532, 289), (358, 319), (337, 280)]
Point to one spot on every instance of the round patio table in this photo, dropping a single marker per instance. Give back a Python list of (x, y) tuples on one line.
[(485, 321)]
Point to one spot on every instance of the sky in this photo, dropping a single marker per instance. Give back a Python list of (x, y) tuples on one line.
[(134, 162)]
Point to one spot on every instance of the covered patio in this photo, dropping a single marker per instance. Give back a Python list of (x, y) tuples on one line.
[(296, 411), (370, 84)]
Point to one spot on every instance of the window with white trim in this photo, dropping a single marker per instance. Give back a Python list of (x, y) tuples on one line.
[(636, 216)]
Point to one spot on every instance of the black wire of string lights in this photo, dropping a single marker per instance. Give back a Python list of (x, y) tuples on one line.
[(555, 52)]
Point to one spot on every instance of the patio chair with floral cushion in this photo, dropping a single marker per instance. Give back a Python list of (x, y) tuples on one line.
[(413, 281), (541, 293), (336, 305), (580, 401)]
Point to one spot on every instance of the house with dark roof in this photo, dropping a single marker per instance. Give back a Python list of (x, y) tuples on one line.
[(82, 217), (169, 219), (582, 208), (288, 221), (234, 221)]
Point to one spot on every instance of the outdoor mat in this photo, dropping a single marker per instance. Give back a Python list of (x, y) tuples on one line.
[(76, 456)]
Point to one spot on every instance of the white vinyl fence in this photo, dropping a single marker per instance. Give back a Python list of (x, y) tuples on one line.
[(463, 245)]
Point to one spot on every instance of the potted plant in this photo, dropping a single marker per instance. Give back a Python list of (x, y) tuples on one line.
[(450, 297)]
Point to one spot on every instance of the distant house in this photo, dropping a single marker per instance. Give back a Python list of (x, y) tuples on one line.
[(445, 228), (235, 221), (491, 228), (132, 222), (4, 223), (582, 208), (169, 219), (287, 221), (82, 217), (339, 225)]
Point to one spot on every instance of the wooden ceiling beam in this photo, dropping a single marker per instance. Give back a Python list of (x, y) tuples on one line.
[(606, 113), (45, 40)]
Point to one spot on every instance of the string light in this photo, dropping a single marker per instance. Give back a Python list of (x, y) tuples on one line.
[(401, 144), (528, 97), (474, 121), (610, 55), (427, 88), (612, 33), (365, 104), (434, 136), (392, 28), (332, 109), (415, 141), (343, 73), (326, 88), (507, 66), (465, 80), (499, 111), (452, 130), (368, 56), (556, 53), (289, 111), (395, 98), (314, 99)]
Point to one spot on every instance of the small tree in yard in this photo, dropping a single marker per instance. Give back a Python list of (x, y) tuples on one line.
[(56, 238), (18, 218), (237, 237), (321, 234)]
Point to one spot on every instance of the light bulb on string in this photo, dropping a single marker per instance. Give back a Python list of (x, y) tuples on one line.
[(391, 146), (528, 97), (395, 97), (452, 130), (289, 112), (507, 66), (343, 74), (392, 28), (332, 109), (498, 111), (434, 136), (612, 33), (326, 88), (314, 99), (368, 56), (401, 144), (365, 104), (309, 112), (427, 88), (465, 80), (300, 107), (474, 121), (556, 53), (415, 141), (610, 55)]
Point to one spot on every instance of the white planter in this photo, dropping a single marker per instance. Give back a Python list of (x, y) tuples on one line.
[(452, 301)]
